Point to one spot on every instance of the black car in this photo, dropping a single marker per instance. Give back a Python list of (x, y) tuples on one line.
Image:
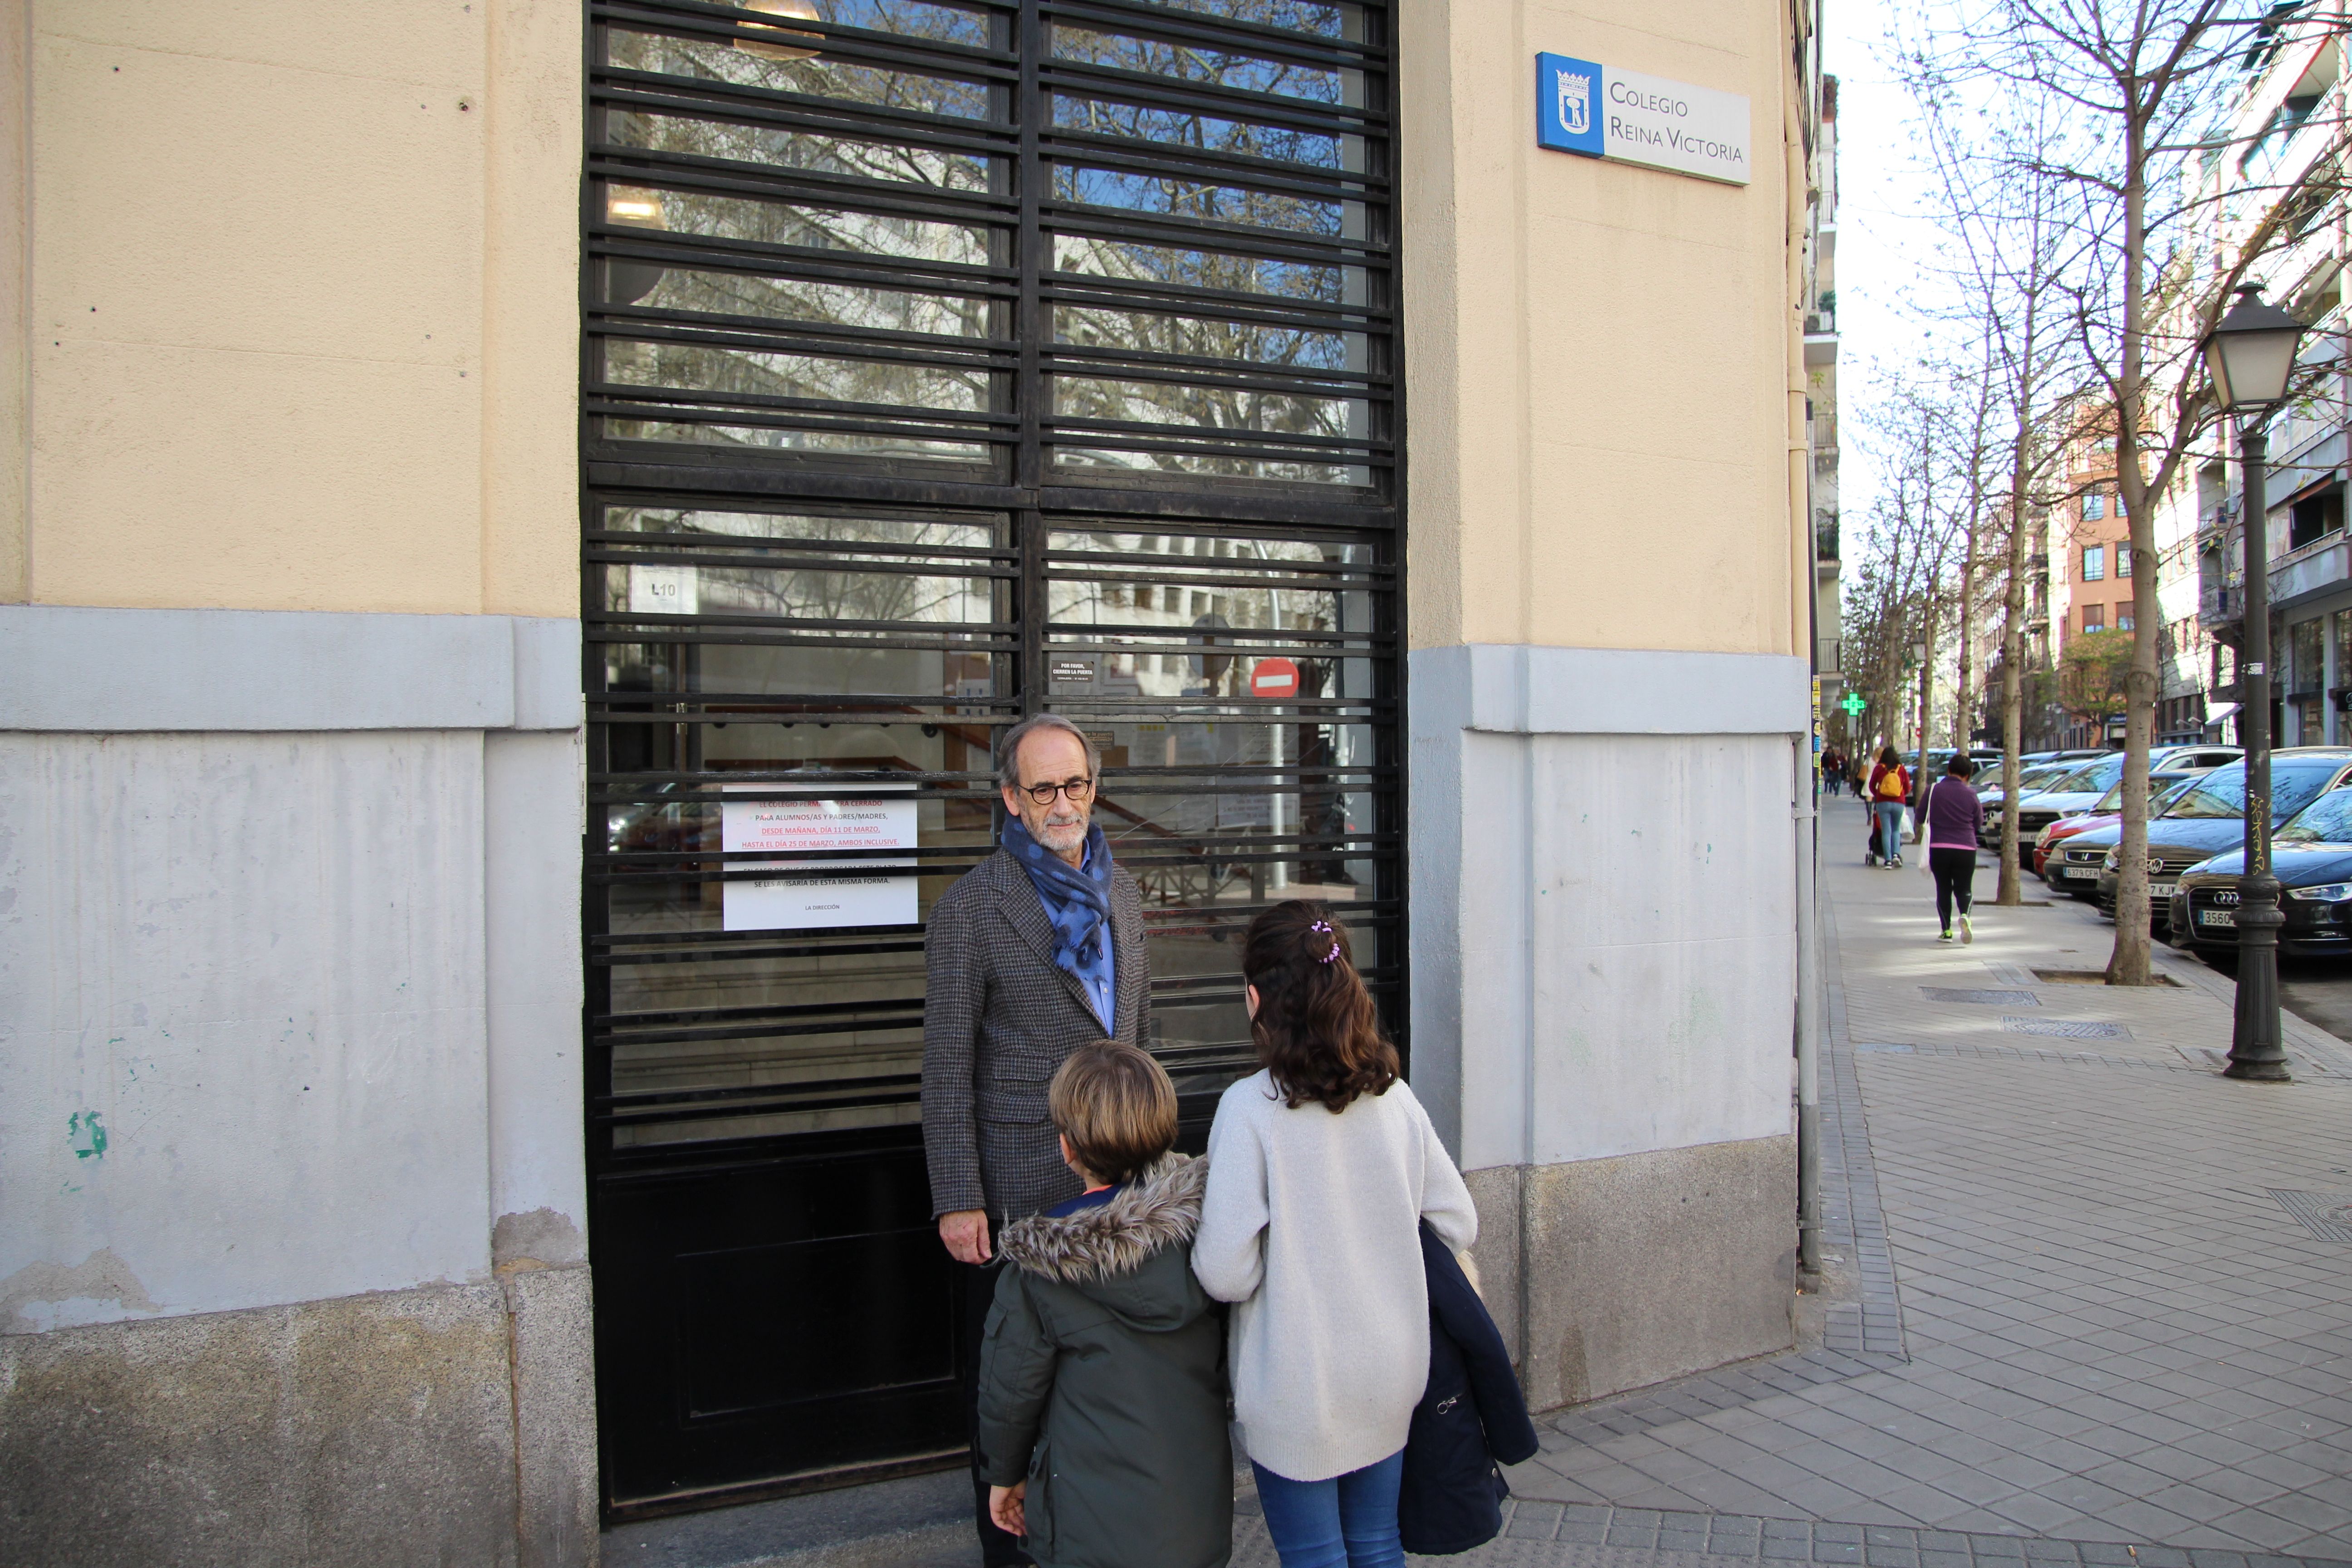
[(2210, 819), (2312, 858)]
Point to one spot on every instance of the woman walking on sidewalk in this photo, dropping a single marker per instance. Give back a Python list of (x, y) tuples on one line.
[(1955, 817), (1890, 786)]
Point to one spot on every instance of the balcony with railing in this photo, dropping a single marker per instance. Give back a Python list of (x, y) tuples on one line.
[(1821, 337), (2322, 564), (2220, 600)]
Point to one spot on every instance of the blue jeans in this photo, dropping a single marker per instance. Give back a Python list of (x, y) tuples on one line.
[(1347, 1521), (1890, 828)]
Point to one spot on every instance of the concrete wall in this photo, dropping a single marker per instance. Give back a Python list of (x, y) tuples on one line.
[(1599, 355), (1609, 584), (292, 1194), (300, 331)]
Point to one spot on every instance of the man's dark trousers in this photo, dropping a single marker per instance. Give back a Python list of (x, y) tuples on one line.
[(997, 1549)]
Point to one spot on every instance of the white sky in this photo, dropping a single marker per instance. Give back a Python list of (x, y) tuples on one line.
[(1880, 242)]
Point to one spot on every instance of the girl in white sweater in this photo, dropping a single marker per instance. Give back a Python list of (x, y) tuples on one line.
[(1321, 1168)]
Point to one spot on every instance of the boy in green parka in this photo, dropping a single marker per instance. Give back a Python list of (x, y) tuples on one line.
[(1102, 1375)]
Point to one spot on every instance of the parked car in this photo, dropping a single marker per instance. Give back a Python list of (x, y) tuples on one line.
[(1993, 775), (2164, 788), (2080, 791), (2311, 856), (2210, 819), (2030, 781)]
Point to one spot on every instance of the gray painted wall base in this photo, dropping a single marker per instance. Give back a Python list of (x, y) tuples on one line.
[(92, 669), (1610, 1275), (374, 1431)]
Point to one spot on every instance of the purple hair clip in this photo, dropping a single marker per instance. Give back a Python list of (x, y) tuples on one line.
[(1325, 928)]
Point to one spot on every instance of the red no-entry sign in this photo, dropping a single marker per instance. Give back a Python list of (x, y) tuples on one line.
[(1274, 677)]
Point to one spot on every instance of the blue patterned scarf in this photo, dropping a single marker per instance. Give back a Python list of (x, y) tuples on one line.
[(1076, 900)]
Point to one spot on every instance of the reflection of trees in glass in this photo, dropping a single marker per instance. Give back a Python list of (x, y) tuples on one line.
[(703, 368), (799, 299), (1170, 127), (1086, 257), (813, 227), (710, 59), (1193, 199), (816, 153), (1221, 67), (1309, 412), (831, 593), (709, 368), (1323, 18), (1211, 407)]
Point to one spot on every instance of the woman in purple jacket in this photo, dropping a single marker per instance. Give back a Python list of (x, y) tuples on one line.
[(1955, 815)]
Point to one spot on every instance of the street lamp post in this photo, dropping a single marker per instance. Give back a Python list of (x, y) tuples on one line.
[(2251, 356), (1920, 783)]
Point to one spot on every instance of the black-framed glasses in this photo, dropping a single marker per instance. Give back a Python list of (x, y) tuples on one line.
[(1077, 791)]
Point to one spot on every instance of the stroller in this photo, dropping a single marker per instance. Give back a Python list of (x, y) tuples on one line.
[(1870, 856)]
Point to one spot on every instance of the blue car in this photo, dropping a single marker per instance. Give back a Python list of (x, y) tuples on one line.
[(2207, 821), (2312, 858)]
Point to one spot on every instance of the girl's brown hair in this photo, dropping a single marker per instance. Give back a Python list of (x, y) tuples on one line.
[(1317, 1033)]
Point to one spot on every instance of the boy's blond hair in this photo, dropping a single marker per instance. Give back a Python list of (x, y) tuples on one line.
[(1115, 1107)]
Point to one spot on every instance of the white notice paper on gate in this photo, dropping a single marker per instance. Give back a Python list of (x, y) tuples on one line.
[(819, 893)]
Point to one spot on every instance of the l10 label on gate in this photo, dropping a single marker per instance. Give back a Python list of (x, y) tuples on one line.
[(1603, 112)]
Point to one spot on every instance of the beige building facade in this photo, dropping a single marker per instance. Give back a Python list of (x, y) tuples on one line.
[(373, 947)]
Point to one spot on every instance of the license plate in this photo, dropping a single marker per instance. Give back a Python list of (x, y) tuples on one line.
[(2087, 872), (2217, 917)]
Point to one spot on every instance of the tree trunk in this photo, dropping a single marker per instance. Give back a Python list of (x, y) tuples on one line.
[(2013, 686), (2128, 964)]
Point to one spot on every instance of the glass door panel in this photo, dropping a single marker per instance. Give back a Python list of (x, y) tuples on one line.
[(926, 385)]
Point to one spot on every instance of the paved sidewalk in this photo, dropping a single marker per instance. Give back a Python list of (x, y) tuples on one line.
[(2093, 1320)]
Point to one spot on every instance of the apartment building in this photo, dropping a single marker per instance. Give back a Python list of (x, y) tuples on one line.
[(2287, 118), (2088, 539)]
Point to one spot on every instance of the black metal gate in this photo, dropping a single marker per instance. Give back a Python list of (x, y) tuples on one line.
[(944, 361)]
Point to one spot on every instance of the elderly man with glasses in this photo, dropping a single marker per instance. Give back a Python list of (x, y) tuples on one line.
[(1032, 953)]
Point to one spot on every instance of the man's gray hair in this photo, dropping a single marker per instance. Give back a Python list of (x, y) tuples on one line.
[(1008, 751)]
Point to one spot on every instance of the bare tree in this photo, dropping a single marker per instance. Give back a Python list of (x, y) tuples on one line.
[(2134, 86), (1999, 266)]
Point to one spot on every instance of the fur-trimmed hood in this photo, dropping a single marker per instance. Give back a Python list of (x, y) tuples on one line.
[(1159, 1209)]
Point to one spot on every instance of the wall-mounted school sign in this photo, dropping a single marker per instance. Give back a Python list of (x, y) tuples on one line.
[(1602, 111)]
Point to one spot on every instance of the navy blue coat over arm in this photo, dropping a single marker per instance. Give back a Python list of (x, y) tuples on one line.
[(1471, 1416)]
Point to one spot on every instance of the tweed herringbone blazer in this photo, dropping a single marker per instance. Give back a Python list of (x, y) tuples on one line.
[(999, 1017)]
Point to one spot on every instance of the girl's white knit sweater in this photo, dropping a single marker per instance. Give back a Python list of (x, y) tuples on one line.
[(1312, 1223)]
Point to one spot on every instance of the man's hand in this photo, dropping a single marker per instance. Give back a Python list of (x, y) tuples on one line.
[(1004, 1507), (965, 1232)]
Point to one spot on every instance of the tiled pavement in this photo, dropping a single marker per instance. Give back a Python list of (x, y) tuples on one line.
[(2072, 1319)]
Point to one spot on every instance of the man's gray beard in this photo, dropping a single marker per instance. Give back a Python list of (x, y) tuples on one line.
[(1061, 837)]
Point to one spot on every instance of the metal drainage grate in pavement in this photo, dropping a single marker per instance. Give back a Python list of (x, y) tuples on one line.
[(1981, 998), (2328, 1216), (2066, 1029)]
